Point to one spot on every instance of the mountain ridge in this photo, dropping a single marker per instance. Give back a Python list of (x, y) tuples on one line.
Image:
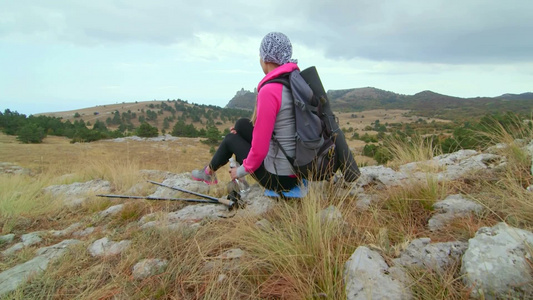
[(426, 103)]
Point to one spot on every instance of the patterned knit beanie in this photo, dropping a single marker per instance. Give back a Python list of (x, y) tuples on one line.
[(276, 48)]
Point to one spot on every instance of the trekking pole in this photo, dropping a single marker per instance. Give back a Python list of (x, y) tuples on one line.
[(230, 204), (226, 202), (185, 191)]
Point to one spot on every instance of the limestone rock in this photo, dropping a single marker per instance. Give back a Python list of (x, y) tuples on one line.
[(529, 148), (496, 149), (192, 215), (470, 165), (32, 238), (85, 232), (183, 181), (111, 211), (56, 250), (256, 202), (228, 261), (437, 256), (380, 175), (331, 214), (232, 254), (454, 158), (453, 166), (12, 278), (452, 207), (28, 240), (366, 276), (7, 238), (196, 213), (13, 249), (67, 230), (495, 265), (105, 247), (160, 138), (148, 267), (76, 193), (10, 168), (364, 201)]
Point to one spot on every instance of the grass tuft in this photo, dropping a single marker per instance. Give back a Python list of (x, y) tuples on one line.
[(406, 150)]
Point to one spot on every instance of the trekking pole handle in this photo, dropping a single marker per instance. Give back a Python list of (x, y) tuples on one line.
[(230, 204)]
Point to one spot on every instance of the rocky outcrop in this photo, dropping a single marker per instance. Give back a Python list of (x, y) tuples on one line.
[(148, 267), (67, 231), (437, 256), (27, 240), (445, 167), (106, 247), (497, 263), (228, 261), (453, 166), (7, 238), (12, 278), (367, 276), (161, 138), (454, 206), (76, 193), (111, 211), (243, 99), (331, 215), (192, 215), (380, 175), (10, 168), (85, 232)]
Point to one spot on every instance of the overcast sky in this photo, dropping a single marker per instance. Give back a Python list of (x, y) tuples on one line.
[(64, 55)]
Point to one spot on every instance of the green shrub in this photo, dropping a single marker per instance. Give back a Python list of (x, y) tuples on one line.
[(147, 130)]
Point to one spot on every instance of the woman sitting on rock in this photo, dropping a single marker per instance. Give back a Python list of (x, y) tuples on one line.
[(251, 140)]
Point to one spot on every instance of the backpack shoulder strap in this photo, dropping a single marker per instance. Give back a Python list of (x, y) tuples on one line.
[(283, 79)]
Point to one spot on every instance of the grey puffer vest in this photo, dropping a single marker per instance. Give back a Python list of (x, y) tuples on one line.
[(284, 130)]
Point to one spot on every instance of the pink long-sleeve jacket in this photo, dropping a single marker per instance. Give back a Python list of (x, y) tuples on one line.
[(269, 100)]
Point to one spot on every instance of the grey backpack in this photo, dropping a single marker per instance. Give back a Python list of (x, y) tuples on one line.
[(314, 157)]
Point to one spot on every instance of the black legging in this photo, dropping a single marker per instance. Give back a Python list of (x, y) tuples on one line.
[(240, 144)]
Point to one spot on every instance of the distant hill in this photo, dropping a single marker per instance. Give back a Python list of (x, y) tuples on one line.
[(163, 114), (363, 99), (523, 96), (243, 100), (425, 103)]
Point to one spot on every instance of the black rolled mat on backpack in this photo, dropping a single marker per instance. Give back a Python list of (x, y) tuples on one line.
[(345, 159)]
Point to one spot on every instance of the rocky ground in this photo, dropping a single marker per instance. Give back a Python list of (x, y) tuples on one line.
[(495, 263)]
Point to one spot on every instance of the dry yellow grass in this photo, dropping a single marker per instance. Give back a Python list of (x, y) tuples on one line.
[(56, 156), (415, 149)]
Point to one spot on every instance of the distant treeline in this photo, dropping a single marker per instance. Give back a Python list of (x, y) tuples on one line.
[(443, 137), (34, 129)]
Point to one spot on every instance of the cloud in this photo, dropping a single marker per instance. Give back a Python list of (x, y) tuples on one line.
[(429, 31), (441, 31)]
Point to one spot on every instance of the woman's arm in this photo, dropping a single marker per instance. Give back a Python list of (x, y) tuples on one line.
[(268, 106)]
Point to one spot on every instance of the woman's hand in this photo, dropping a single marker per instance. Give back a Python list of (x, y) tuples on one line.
[(232, 130), (233, 173)]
